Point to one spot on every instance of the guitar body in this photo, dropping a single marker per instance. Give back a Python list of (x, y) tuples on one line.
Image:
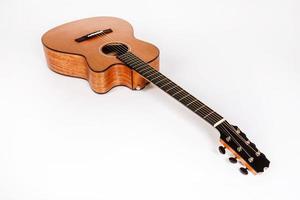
[(89, 60)]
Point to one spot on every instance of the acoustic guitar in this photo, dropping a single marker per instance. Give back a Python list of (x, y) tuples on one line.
[(104, 51)]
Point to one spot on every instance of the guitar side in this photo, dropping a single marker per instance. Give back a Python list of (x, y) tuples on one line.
[(101, 82)]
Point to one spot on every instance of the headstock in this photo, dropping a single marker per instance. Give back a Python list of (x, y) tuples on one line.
[(233, 139)]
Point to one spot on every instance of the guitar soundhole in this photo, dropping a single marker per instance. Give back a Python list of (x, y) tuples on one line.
[(114, 49)]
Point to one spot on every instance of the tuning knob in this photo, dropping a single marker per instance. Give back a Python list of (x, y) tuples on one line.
[(244, 170), (232, 160), (222, 150)]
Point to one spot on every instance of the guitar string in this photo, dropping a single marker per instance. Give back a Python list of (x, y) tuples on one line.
[(205, 108), (243, 139), (193, 99), (125, 49), (208, 110), (224, 129), (205, 111), (189, 97), (180, 94), (196, 101)]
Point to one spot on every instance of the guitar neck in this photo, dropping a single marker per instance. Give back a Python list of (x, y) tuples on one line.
[(171, 88)]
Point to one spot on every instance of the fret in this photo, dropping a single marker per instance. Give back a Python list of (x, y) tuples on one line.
[(155, 72), (204, 111), (140, 66), (127, 58), (156, 77), (181, 90), (191, 102), (161, 80), (123, 57), (144, 70), (188, 100), (166, 80), (136, 63), (208, 114), (170, 87), (133, 62), (166, 85), (199, 108), (144, 64), (184, 97)]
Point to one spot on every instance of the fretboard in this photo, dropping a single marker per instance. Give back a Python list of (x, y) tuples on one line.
[(170, 87)]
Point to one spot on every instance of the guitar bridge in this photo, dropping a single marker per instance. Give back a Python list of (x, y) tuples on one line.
[(93, 34)]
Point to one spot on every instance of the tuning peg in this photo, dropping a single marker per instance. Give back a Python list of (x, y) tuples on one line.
[(222, 149), (244, 170), (232, 160)]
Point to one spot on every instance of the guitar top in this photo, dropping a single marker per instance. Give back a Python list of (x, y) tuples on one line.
[(104, 51)]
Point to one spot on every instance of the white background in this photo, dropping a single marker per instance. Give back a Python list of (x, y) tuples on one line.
[(59, 140)]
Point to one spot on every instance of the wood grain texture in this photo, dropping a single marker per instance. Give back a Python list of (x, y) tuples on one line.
[(101, 82), (86, 60)]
